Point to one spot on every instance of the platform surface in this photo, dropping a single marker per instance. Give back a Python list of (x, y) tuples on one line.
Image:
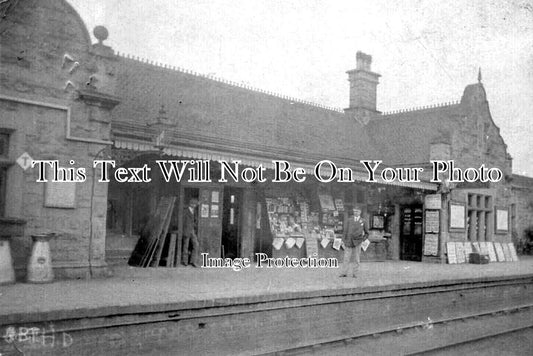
[(132, 289)]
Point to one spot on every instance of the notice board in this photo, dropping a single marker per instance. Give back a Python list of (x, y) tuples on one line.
[(432, 219), (431, 244), (450, 250), (433, 201)]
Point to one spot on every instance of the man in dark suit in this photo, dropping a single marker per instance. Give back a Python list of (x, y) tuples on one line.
[(190, 234), (354, 234)]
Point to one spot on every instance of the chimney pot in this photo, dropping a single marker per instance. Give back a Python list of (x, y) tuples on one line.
[(364, 61)]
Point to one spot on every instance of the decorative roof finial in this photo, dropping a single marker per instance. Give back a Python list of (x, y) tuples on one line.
[(101, 34), (479, 75)]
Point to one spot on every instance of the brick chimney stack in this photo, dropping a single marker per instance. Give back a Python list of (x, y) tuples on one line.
[(363, 88)]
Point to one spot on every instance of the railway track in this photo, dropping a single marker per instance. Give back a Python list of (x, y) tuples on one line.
[(405, 339), (433, 318)]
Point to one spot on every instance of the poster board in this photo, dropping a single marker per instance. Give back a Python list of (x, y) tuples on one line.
[(501, 221), (512, 250), (507, 252), (60, 195), (457, 216), (432, 219), (431, 244), (491, 251), (467, 250), (460, 252), (433, 201), (499, 252), (450, 251)]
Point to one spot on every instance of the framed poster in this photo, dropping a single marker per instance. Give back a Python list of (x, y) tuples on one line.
[(457, 216), (204, 211), (431, 244), (432, 221), (501, 221), (378, 221), (214, 196), (433, 201), (214, 211)]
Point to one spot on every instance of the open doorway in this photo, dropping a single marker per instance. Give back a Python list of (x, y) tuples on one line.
[(231, 223), (411, 233), (187, 245)]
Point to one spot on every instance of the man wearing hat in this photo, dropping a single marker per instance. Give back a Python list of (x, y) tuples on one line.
[(189, 234), (354, 234)]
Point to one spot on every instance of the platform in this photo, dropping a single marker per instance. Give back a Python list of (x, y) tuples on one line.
[(195, 298)]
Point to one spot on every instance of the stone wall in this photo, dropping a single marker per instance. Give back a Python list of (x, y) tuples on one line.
[(477, 141), (53, 114), (522, 212)]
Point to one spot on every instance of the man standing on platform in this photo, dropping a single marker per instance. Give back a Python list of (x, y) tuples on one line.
[(354, 234), (189, 234)]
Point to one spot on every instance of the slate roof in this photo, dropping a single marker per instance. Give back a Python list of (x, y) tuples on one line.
[(230, 117), (522, 182), (405, 137)]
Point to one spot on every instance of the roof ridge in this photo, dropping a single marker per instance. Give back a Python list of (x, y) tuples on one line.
[(228, 82), (420, 108)]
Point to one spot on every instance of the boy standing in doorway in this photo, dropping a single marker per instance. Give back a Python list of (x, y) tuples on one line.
[(190, 234)]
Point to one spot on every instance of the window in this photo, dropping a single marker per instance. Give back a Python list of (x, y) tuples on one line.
[(479, 217)]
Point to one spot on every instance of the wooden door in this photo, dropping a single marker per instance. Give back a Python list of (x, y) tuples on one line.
[(411, 232), (231, 222)]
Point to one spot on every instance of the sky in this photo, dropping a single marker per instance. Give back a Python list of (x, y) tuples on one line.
[(426, 51)]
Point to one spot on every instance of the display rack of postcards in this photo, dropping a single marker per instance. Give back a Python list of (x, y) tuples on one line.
[(284, 216), (332, 217), (290, 220)]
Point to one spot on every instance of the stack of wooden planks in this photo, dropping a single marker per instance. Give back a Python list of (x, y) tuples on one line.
[(151, 250)]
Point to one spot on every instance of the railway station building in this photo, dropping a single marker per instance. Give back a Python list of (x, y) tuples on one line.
[(67, 99)]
